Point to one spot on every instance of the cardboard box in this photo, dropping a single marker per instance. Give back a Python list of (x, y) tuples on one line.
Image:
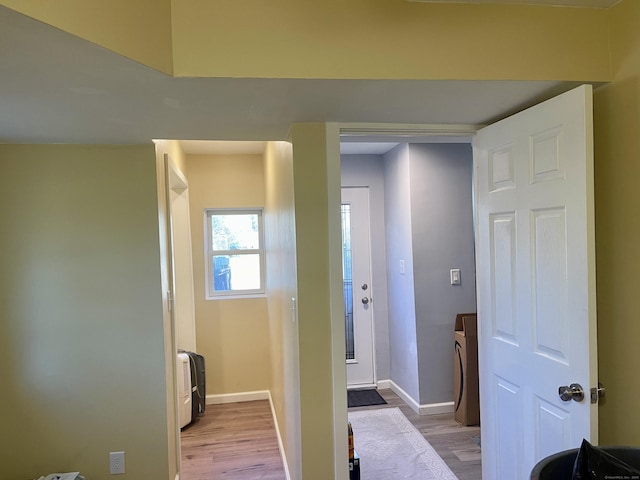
[(354, 467), (466, 399)]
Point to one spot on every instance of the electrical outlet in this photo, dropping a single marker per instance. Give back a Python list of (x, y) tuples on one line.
[(116, 463)]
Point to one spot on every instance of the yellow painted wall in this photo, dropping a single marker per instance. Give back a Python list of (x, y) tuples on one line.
[(358, 39), (138, 29), (81, 331), (617, 169), (323, 410), (388, 39), (280, 245), (282, 38), (233, 335), (175, 152)]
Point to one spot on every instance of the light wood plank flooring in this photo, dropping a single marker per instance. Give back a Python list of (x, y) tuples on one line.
[(235, 441), (238, 442)]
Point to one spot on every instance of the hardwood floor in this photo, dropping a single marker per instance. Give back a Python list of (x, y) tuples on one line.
[(237, 441)]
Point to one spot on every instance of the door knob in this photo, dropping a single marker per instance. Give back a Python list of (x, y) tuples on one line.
[(573, 392), (365, 300)]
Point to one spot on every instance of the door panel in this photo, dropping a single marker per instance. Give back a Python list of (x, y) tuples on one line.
[(536, 289), (357, 287)]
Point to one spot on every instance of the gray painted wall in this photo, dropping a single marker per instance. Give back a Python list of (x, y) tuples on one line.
[(368, 171), (402, 314), (421, 212), (443, 238)]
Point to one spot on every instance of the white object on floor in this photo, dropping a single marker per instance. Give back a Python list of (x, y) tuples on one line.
[(389, 446), (183, 372)]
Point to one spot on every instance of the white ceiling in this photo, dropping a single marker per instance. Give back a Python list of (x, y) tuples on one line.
[(557, 3), (56, 88)]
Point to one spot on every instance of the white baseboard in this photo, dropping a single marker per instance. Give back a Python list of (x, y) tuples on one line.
[(361, 386), (436, 408), (408, 399), (426, 409), (283, 455), (383, 384), (216, 399)]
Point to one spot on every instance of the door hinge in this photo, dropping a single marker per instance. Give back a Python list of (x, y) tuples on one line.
[(170, 300)]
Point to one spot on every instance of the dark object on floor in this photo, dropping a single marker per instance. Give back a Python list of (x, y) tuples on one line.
[(593, 462), (364, 398), (198, 384), (354, 467), (561, 464), (476, 440)]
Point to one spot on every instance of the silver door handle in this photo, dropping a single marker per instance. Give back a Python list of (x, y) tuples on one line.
[(573, 392), (365, 300)]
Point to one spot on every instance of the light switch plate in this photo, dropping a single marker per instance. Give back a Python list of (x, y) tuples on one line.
[(454, 274)]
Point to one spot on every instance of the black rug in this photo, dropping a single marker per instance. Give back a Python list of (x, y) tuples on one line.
[(363, 398)]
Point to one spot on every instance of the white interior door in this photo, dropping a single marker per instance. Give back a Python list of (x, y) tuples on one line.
[(536, 283), (356, 267)]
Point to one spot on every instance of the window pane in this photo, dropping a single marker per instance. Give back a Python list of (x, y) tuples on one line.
[(221, 274), (236, 272), (347, 286), (235, 231)]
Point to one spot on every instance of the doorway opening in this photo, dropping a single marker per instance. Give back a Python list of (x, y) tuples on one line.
[(419, 190), (230, 330), (533, 171), (379, 164)]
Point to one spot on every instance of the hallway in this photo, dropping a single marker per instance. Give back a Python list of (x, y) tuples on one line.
[(237, 441)]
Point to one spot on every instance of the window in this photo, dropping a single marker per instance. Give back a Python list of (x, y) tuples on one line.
[(235, 252)]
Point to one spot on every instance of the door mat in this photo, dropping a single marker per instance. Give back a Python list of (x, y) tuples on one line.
[(363, 398)]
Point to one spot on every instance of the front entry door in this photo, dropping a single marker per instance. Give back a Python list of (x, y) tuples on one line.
[(356, 268), (536, 283)]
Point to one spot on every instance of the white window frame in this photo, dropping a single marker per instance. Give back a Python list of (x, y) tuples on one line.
[(209, 253)]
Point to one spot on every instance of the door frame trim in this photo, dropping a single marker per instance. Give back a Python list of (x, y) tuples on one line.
[(407, 130)]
